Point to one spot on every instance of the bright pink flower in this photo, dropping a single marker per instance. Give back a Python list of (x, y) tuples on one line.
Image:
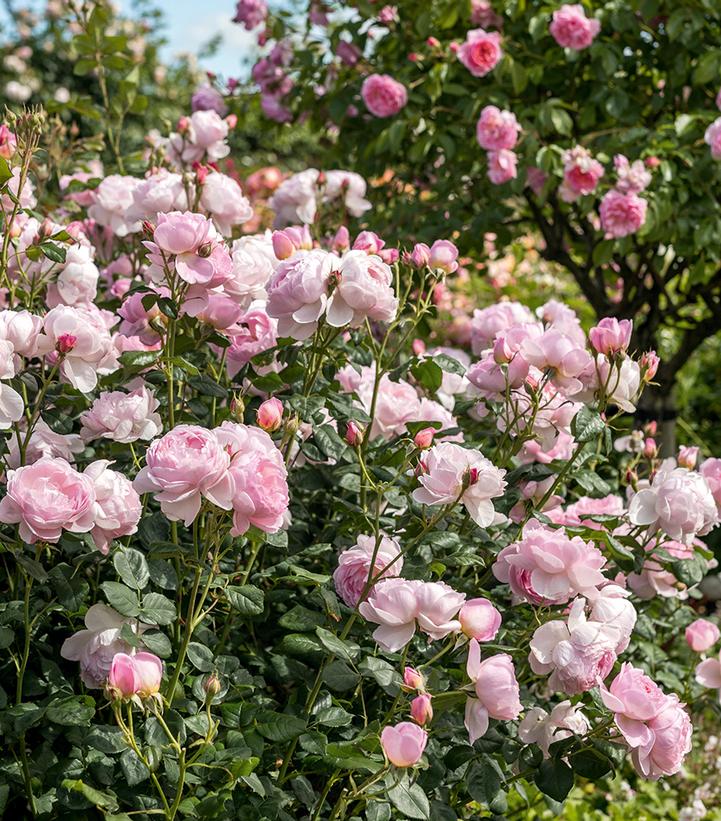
[(479, 619), (270, 414), (570, 27), (632, 176), (496, 688), (354, 566), (422, 709), (424, 438), (442, 256), (122, 417), (251, 13), (382, 95), (403, 744), (46, 498), (253, 333), (502, 166), (712, 138), (611, 336), (481, 51), (8, 142), (413, 679), (546, 567), (117, 506), (497, 129), (452, 474), (701, 635), (622, 214), (137, 675), (353, 434), (364, 290), (581, 173)]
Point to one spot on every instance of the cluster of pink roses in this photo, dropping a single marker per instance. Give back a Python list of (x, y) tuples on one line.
[(497, 131)]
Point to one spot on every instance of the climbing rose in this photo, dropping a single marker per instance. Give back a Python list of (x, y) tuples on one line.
[(622, 214), (481, 51), (497, 129), (383, 95), (570, 27), (354, 565)]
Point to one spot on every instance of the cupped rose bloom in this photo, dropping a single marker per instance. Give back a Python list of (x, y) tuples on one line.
[(188, 244), (711, 471), (253, 263), (383, 96), (611, 605), (404, 743), (183, 466), (570, 27), (708, 674), (203, 138), (363, 290), (122, 417), (543, 729), (479, 619), (77, 282), (117, 506), (611, 336), (560, 353), (481, 52), (497, 129), (672, 732), (496, 688), (354, 566), (438, 606), (579, 512), (397, 403), (442, 256), (712, 138), (298, 292), (96, 646), (452, 474), (258, 478), (393, 606), (23, 330), (253, 333), (347, 188), (701, 635), (488, 322), (43, 442), (222, 198), (46, 498), (113, 205), (577, 652), (632, 177), (678, 502), (502, 166), (547, 567), (159, 193), (622, 214), (137, 675), (581, 173)]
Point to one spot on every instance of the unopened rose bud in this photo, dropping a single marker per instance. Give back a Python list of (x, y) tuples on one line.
[(649, 365), (455, 47), (442, 256), (413, 679), (353, 434), (433, 42), (687, 457), (322, 179), (369, 242), (651, 428), (232, 120), (148, 229), (183, 125), (201, 172), (413, 57), (424, 438), (502, 353), (650, 451), (479, 619), (237, 408), (418, 346), (211, 686), (652, 162), (66, 343), (341, 240), (270, 415), (389, 255), (422, 709), (283, 246), (420, 255)]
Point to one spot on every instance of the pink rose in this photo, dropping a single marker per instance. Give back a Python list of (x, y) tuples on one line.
[(270, 415), (122, 417), (654, 579), (672, 732), (479, 620), (183, 466), (438, 605), (113, 205), (452, 474), (708, 673), (570, 27), (687, 458), (158, 193), (364, 290), (382, 95), (611, 336), (396, 402), (581, 173), (541, 728), (481, 51), (497, 129), (354, 566), (253, 333), (403, 744), (622, 214), (442, 256), (422, 709), (46, 498), (502, 166), (137, 675), (701, 635), (496, 688), (712, 138), (23, 330), (222, 198), (711, 471), (117, 505), (43, 442), (251, 13), (632, 177), (487, 322)]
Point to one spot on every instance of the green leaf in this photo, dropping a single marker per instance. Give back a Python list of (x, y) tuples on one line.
[(132, 567), (279, 726), (554, 778), (410, 800), (73, 711), (122, 598), (338, 647), (157, 609), (133, 768), (590, 763), (103, 801), (338, 676), (53, 252), (587, 425), (429, 374), (201, 657), (157, 643), (5, 172), (246, 599), (483, 781)]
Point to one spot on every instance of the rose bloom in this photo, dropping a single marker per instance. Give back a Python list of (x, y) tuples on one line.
[(43, 442), (701, 635), (253, 333), (22, 329), (253, 263), (581, 172), (481, 52), (497, 129), (611, 336), (442, 256), (122, 417), (184, 242), (488, 322), (223, 199), (570, 27), (354, 565), (258, 478), (251, 13), (403, 744), (117, 505), (204, 139), (183, 466), (546, 567), (712, 138), (622, 214), (632, 177), (397, 403), (46, 498), (452, 473), (578, 513), (382, 95), (296, 199), (711, 471), (438, 604), (479, 620), (541, 728), (364, 290), (502, 166), (496, 688), (159, 193), (137, 675), (77, 283), (113, 202), (208, 98), (96, 646)]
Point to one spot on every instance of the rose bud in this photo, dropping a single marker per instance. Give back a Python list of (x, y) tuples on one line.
[(424, 438), (270, 415), (479, 619), (421, 709)]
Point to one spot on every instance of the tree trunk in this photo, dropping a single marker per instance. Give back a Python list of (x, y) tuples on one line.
[(658, 403)]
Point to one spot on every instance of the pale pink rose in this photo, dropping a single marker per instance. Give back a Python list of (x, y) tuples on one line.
[(270, 415), (487, 322), (442, 256), (43, 442), (253, 333), (711, 471), (253, 264), (481, 51), (183, 466), (397, 403), (502, 166), (577, 652), (218, 309), (117, 505), (367, 241), (611, 336), (23, 330), (701, 635), (296, 199), (546, 567), (570, 27), (354, 565), (393, 606), (483, 15), (77, 282), (687, 458), (561, 353), (541, 728), (672, 732), (46, 498), (113, 205), (678, 501), (712, 138), (298, 292), (122, 417), (633, 177), (404, 743), (25, 195), (431, 411), (654, 579), (496, 688), (452, 474), (8, 142), (258, 478), (438, 606), (251, 13), (479, 620), (145, 323), (185, 242), (708, 674), (137, 675), (222, 198), (96, 646), (348, 189), (622, 214), (611, 605), (364, 290), (497, 129), (383, 96), (581, 172), (578, 512), (204, 138), (422, 709), (158, 193)]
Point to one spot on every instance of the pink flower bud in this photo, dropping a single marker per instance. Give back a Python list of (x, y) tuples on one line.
[(237, 407), (413, 679), (418, 346), (232, 120), (369, 242), (404, 743), (341, 240), (701, 635), (687, 457), (270, 415), (183, 124), (611, 336), (502, 353), (65, 343), (413, 57), (649, 365), (389, 255), (650, 451), (283, 245), (422, 709), (652, 162), (148, 229), (420, 255), (201, 172), (353, 434), (139, 675), (443, 255), (433, 42), (651, 428), (424, 438), (479, 619)]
